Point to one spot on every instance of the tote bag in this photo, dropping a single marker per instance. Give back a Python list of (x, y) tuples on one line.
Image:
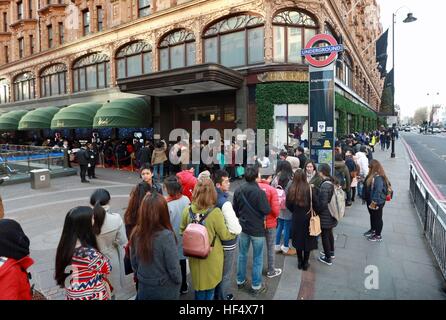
[(315, 221)]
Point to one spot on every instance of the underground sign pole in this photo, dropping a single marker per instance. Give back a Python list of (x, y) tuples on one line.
[(322, 97)]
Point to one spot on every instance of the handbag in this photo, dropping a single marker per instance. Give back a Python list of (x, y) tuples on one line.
[(127, 264), (315, 221), (239, 171), (36, 294)]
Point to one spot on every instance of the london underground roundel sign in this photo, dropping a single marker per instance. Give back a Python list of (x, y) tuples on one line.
[(332, 50)]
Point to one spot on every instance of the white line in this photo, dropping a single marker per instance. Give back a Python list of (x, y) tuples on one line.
[(71, 190), (59, 202)]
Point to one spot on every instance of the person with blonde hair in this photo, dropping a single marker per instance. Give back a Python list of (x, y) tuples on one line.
[(207, 273), (376, 187)]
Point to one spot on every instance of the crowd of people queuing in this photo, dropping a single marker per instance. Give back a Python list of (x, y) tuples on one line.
[(97, 247)]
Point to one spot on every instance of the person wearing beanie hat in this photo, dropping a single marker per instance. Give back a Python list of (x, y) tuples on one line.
[(204, 175), (14, 261)]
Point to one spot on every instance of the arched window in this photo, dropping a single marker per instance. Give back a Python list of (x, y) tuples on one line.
[(91, 72), (235, 42), (177, 50), (53, 80), (291, 31), (4, 91), (24, 86), (348, 70), (134, 59)]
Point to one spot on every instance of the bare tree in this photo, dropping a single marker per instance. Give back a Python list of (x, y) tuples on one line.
[(420, 115)]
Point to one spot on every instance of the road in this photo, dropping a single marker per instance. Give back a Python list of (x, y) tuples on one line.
[(430, 151)]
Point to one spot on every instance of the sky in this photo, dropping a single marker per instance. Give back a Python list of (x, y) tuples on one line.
[(417, 74)]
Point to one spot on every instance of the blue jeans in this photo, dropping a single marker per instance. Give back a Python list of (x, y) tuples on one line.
[(223, 288), (158, 172), (283, 225), (257, 257), (204, 294)]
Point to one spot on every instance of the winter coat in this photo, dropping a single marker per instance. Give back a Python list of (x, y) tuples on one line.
[(159, 155), (83, 157), (377, 191), (251, 220), (326, 191), (316, 180), (231, 219), (363, 163), (176, 208), (188, 182), (300, 224), (14, 283), (207, 273), (342, 168), (144, 155), (111, 243), (159, 279), (273, 200), (302, 160)]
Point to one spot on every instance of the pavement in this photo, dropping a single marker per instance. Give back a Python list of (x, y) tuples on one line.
[(400, 267)]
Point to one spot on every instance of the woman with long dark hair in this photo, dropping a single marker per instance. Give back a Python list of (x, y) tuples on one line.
[(328, 222), (154, 261), (375, 192), (131, 213), (78, 252), (110, 236), (298, 202), (313, 177)]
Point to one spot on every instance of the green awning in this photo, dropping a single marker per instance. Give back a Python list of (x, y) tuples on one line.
[(123, 113), (10, 120), (38, 118), (79, 115)]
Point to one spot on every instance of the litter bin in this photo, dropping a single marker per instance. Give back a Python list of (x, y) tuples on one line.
[(40, 178)]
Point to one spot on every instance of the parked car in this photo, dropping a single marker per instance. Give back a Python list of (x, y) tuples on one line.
[(407, 129)]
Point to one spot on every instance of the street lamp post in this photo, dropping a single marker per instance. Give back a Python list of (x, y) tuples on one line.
[(409, 18)]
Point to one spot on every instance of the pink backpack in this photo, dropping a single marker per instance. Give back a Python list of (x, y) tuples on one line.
[(282, 197), (195, 237)]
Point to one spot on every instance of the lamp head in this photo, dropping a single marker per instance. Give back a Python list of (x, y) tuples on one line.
[(410, 18)]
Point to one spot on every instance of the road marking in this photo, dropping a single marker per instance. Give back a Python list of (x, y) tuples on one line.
[(61, 202), (71, 190)]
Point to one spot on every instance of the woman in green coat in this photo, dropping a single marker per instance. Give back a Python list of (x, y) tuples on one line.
[(207, 273)]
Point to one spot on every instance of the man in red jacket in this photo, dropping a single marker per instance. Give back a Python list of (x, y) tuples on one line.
[(188, 181), (271, 224), (14, 261)]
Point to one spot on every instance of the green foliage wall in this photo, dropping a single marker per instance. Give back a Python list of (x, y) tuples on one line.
[(269, 94)]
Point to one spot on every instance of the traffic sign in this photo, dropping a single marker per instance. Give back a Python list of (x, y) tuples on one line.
[(332, 49)]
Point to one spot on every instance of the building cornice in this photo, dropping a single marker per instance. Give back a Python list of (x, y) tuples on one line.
[(355, 50)]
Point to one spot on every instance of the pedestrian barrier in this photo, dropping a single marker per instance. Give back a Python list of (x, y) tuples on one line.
[(432, 215)]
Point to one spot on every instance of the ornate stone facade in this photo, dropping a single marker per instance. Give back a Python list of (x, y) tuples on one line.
[(359, 27)]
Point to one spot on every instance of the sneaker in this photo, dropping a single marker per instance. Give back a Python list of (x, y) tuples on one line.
[(369, 233), (290, 252), (185, 289), (277, 248), (275, 273), (230, 297), (241, 285), (256, 292), (349, 205), (375, 238), (322, 254), (326, 261)]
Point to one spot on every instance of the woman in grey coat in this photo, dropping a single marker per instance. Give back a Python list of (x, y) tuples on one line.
[(328, 222), (154, 253)]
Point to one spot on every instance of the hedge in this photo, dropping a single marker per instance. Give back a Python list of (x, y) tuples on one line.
[(269, 94)]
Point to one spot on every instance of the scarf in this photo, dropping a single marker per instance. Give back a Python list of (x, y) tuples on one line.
[(170, 198), (310, 176), (13, 241)]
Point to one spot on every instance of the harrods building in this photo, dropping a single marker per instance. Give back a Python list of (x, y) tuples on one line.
[(226, 63)]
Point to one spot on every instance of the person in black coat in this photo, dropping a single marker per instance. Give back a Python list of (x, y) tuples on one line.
[(328, 222), (298, 202), (93, 158), (83, 160)]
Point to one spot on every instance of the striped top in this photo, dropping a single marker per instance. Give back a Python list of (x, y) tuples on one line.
[(88, 278)]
